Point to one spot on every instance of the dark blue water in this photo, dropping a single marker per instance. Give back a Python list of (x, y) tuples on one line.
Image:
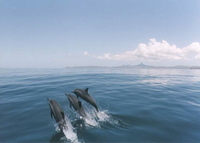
[(143, 105)]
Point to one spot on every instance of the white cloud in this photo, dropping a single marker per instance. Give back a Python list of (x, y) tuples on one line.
[(155, 51), (197, 57), (192, 48), (69, 55), (86, 53)]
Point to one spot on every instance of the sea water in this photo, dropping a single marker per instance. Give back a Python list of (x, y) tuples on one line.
[(136, 105)]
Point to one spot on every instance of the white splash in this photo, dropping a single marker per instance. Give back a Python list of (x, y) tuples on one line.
[(91, 119), (69, 132), (103, 116), (94, 118)]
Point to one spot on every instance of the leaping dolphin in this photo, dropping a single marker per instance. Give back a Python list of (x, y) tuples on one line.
[(85, 96), (57, 112), (73, 101)]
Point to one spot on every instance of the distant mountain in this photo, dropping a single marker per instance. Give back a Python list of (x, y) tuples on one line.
[(88, 67), (195, 67), (142, 66)]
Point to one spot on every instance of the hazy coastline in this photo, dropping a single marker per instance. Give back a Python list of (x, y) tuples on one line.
[(141, 66)]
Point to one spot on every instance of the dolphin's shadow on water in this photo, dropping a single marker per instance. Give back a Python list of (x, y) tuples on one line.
[(56, 137)]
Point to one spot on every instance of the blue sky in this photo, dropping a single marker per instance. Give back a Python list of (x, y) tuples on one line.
[(61, 33)]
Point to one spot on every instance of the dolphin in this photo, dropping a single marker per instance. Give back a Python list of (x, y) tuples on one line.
[(85, 96), (57, 112), (73, 101)]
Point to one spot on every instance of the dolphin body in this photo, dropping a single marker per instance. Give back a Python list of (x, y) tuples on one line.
[(73, 100), (57, 112), (86, 96)]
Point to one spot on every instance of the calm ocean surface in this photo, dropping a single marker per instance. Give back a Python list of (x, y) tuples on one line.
[(136, 105)]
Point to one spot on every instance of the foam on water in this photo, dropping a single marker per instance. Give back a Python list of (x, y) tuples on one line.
[(103, 116), (69, 132), (94, 118), (91, 120)]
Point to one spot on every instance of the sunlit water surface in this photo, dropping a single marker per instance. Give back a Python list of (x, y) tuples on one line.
[(136, 105)]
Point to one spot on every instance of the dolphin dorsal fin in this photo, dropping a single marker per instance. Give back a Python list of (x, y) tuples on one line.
[(86, 90), (80, 104)]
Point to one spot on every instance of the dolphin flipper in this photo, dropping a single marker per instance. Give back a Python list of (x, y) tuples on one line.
[(70, 105), (51, 112), (80, 104)]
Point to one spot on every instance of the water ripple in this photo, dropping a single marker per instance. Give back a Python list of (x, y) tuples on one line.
[(137, 105)]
